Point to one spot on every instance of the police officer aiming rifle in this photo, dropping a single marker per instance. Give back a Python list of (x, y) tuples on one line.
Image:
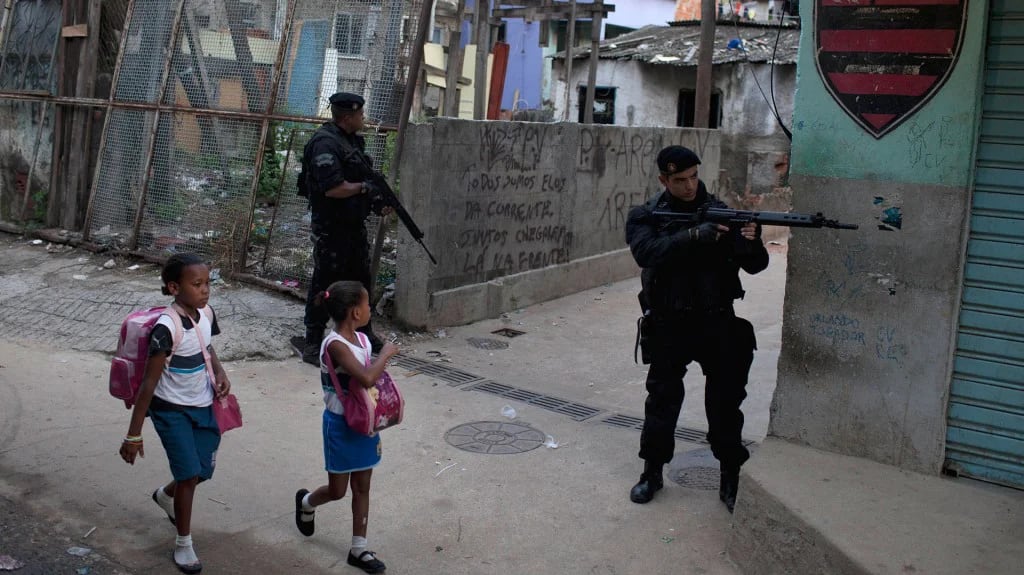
[(690, 279)]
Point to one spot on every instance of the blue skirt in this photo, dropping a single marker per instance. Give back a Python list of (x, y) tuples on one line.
[(345, 450)]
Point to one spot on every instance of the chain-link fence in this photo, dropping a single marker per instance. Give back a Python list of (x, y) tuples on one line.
[(279, 243), (212, 102)]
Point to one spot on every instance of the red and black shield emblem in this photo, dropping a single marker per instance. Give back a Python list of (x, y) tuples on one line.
[(882, 60)]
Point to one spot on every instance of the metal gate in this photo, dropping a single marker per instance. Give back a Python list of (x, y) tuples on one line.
[(198, 145), (985, 437)]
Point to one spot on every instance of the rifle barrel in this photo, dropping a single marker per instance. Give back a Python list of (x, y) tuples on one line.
[(729, 216)]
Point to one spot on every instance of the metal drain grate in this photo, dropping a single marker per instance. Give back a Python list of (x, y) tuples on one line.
[(576, 411), (624, 421), (706, 478), (683, 433), (487, 343), (453, 376), (692, 435)]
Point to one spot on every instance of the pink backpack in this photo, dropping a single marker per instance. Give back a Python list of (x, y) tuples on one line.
[(363, 413), (128, 366)]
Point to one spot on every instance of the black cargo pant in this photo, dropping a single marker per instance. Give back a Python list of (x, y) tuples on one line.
[(723, 345), (336, 257)]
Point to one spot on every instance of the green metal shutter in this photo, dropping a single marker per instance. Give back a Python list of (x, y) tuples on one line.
[(985, 437)]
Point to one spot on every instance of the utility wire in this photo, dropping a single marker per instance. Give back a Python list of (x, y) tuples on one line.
[(771, 77)]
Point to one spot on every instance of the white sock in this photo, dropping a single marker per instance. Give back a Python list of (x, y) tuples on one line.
[(358, 546), (308, 507), (183, 552), (165, 501)]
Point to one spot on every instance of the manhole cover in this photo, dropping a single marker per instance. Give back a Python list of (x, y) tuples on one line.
[(487, 343), (697, 477), (494, 437)]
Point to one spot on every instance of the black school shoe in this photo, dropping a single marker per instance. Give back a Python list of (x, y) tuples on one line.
[(305, 527), (366, 561)]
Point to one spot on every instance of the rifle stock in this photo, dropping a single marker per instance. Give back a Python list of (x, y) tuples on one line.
[(732, 217)]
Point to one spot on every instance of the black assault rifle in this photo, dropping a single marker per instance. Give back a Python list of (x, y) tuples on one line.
[(381, 195), (732, 217)]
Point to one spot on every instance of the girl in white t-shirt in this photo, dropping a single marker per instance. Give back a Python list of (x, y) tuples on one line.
[(176, 394), (350, 456)]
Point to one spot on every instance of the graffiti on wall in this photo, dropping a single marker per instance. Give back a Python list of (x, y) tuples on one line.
[(883, 60), (510, 217)]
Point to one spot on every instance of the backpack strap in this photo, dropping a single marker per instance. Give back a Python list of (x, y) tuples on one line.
[(199, 335), (329, 362), (177, 332), (364, 342)]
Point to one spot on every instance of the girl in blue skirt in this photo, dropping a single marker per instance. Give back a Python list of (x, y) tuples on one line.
[(350, 457)]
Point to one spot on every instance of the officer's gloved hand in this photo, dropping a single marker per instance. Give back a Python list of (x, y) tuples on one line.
[(377, 203), (705, 233)]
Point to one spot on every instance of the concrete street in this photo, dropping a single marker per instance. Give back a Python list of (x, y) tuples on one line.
[(449, 497), (435, 508)]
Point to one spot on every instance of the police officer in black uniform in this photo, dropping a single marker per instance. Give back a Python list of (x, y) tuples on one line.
[(690, 278), (334, 168)]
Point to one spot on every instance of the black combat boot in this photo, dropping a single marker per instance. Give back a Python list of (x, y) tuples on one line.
[(309, 347), (728, 486), (650, 481)]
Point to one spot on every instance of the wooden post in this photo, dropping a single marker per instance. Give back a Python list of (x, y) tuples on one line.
[(705, 61), (481, 31), (595, 46), (85, 88), (451, 83), (570, 43)]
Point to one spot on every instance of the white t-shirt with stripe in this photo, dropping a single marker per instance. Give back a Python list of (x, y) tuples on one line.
[(185, 380)]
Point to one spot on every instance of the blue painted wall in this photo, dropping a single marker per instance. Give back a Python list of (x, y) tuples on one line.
[(870, 314), (525, 64), (526, 61)]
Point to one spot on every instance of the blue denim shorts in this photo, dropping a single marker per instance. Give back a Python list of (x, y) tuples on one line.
[(190, 437)]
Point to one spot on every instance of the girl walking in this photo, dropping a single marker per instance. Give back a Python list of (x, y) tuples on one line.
[(350, 457), (176, 394)]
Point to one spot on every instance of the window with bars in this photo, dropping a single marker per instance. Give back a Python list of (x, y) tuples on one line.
[(349, 39)]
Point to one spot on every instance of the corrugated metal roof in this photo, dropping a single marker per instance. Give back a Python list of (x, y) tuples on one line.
[(677, 44)]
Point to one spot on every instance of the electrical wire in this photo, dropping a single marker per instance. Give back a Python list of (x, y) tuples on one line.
[(771, 74), (771, 77)]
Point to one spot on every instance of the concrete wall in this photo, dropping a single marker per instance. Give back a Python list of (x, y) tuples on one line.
[(519, 213), (648, 95), (869, 314)]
